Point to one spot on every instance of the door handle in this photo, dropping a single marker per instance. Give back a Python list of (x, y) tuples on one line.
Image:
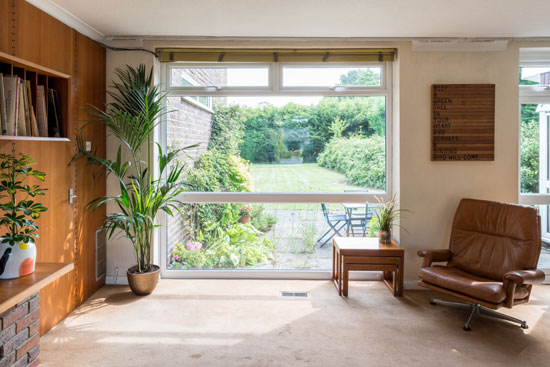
[(72, 196)]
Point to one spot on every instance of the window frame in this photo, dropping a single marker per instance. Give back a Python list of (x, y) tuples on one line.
[(384, 90), (531, 94), (351, 88)]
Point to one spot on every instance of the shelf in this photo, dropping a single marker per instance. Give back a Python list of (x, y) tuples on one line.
[(13, 291), (31, 138), (31, 66)]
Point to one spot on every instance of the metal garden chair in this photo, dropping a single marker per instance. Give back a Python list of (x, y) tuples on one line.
[(336, 222)]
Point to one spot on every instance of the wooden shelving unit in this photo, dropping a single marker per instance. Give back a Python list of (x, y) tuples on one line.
[(39, 75)]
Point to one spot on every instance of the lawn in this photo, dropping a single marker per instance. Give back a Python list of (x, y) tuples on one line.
[(307, 177)]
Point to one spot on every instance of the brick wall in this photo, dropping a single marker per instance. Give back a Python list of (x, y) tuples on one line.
[(190, 123), (19, 338)]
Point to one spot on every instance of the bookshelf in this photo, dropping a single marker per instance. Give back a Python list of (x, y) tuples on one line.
[(50, 79)]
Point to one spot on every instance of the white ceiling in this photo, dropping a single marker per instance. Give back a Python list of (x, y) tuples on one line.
[(308, 18)]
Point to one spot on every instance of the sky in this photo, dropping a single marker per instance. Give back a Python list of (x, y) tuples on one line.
[(292, 77)]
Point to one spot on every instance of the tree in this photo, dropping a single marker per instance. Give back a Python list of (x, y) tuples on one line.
[(360, 77)]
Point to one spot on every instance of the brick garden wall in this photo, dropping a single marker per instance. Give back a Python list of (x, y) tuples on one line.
[(20, 335), (190, 123)]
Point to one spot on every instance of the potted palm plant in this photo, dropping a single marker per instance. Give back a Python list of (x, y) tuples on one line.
[(20, 210), (137, 109)]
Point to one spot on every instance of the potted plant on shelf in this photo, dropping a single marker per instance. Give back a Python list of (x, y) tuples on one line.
[(244, 214), (137, 109), (386, 216), (17, 247)]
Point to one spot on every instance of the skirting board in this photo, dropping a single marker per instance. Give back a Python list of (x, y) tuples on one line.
[(122, 280)]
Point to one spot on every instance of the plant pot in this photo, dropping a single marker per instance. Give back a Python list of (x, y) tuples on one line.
[(244, 219), (143, 284), (385, 237), (17, 260)]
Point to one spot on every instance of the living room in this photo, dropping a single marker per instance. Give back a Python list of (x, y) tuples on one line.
[(238, 183)]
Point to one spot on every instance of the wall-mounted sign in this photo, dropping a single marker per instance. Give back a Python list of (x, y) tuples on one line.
[(463, 122)]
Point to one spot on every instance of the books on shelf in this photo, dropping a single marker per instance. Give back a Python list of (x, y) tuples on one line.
[(54, 121), (21, 115), (3, 114), (41, 111)]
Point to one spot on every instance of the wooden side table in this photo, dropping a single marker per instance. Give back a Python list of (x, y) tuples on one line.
[(367, 254)]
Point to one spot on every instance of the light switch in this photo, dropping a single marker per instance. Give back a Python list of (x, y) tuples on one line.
[(88, 146)]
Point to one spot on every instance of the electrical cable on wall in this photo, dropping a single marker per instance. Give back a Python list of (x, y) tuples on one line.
[(128, 49)]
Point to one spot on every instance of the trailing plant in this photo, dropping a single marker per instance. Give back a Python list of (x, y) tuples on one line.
[(137, 109), (20, 209)]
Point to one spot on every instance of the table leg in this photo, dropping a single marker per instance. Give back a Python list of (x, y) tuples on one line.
[(401, 272), (333, 276), (346, 280)]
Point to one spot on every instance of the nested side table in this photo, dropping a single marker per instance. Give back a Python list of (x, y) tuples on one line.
[(367, 254)]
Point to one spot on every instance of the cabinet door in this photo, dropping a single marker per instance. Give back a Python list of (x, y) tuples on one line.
[(56, 226)]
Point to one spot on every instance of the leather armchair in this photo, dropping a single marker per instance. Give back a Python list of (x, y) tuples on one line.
[(491, 260)]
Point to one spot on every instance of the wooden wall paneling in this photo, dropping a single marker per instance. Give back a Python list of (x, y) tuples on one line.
[(27, 31), (89, 89), (56, 242), (57, 42), (6, 14)]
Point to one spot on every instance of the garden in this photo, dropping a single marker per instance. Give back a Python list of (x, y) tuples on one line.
[(334, 145)]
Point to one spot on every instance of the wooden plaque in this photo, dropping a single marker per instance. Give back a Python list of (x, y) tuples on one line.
[(463, 122)]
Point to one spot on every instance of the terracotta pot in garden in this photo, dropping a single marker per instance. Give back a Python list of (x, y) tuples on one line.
[(244, 219)]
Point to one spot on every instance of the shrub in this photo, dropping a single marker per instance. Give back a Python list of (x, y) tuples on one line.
[(530, 156), (227, 129), (361, 159), (238, 245), (217, 171), (261, 220)]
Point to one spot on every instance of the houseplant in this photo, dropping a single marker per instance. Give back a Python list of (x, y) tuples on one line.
[(386, 216), (137, 109), (17, 247)]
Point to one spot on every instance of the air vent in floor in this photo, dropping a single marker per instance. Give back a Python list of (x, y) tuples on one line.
[(294, 294)]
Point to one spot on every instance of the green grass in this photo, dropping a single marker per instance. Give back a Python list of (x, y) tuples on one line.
[(307, 177)]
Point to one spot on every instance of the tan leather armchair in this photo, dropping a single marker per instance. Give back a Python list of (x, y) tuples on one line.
[(491, 260)]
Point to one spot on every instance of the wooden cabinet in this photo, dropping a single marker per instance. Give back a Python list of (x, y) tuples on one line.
[(39, 47)]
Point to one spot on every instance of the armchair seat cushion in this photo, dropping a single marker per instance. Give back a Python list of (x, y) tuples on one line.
[(454, 279)]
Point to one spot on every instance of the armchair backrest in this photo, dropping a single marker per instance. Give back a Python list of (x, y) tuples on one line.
[(488, 238)]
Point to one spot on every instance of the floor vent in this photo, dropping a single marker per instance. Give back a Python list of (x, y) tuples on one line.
[(294, 294), (100, 253)]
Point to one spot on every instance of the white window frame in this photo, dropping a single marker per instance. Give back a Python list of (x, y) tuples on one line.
[(350, 88), (275, 89), (531, 94)]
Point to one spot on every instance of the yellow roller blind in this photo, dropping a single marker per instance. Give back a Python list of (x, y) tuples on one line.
[(278, 55)]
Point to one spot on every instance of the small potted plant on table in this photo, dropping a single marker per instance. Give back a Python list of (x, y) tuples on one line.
[(17, 247), (386, 216)]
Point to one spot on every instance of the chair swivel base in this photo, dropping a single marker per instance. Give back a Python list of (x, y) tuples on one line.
[(476, 310)]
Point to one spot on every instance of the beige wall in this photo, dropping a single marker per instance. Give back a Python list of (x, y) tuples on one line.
[(431, 190), (120, 252)]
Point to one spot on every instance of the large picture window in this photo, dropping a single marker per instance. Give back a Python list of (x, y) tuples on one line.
[(279, 139)]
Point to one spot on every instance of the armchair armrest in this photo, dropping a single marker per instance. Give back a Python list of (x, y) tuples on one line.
[(434, 256), (524, 276)]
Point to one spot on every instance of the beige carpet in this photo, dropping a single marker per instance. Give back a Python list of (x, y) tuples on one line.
[(246, 323)]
